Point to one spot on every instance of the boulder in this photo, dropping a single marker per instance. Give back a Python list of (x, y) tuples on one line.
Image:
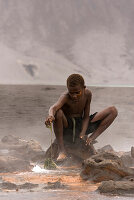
[(16, 154), (10, 139), (28, 150), (117, 187), (12, 164), (78, 149), (125, 157), (12, 186), (55, 185), (105, 166), (127, 160), (106, 148)]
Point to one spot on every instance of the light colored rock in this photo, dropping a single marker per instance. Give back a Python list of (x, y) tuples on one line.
[(127, 160), (16, 154), (19, 148), (106, 148), (12, 164), (10, 139)]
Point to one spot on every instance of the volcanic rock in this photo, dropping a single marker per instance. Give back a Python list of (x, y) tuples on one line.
[(55, 185), (105, 166), (127, 160), (12, 186), (78, 149), (106, 148), (28, 150), (117, 187), (16, 154), (13, 164)]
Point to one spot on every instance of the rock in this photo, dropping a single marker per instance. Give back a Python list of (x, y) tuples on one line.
[(12, 164), (105, 166), (128, 178), (12, 186), (55, 185), (127, 160), (132, 152), (77, 149), (16, 154), (8, 186), (16, 147), (126, 157), (106, 148), (28, 186), (33, 151), (10, 139), (117, 187)]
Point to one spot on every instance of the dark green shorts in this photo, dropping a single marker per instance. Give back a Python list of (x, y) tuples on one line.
[(78, 125)]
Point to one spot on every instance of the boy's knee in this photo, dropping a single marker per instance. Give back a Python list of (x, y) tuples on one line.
[(59, 114), (114, 111)]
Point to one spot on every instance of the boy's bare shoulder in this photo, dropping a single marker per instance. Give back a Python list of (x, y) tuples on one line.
[(64, 95), (88, 92)]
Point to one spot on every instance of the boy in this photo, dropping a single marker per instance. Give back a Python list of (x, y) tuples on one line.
[(75, 104)]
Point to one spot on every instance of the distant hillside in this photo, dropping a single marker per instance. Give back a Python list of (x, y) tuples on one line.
[(59, 37), (48, 68)]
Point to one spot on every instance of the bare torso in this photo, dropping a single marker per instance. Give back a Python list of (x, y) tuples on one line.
[(75, 109)]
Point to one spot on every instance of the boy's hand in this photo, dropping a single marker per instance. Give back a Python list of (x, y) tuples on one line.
[(49, 120)]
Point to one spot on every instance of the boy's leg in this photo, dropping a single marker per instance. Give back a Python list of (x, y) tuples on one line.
[(106, 116), (59, 123)]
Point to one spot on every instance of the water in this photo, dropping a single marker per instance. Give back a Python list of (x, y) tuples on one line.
[(58, 195), (23, 109)]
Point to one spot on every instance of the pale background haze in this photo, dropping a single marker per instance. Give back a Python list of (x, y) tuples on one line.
[(44, 41)]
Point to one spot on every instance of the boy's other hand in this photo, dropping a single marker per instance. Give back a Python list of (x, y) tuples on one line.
[(88, 140), (49, 120)]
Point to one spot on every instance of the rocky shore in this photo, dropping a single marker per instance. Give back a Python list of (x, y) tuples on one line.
[(112, 171)]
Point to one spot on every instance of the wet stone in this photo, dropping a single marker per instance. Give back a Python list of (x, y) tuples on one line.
[(117, 187), (8, 186), (55, 185), (28, 186)]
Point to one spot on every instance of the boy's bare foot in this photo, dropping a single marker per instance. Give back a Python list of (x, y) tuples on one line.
[(62, 156), (89, 141)]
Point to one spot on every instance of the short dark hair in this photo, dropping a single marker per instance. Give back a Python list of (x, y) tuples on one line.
[(74, 80)]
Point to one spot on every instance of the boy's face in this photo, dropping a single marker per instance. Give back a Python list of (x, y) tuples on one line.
[(75, 92)]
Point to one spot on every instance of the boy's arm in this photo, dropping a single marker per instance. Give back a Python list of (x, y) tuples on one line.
[(53, 109), (85, 120)]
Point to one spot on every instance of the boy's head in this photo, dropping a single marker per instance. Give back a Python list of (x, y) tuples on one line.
[(74, 80), (76, 86)]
